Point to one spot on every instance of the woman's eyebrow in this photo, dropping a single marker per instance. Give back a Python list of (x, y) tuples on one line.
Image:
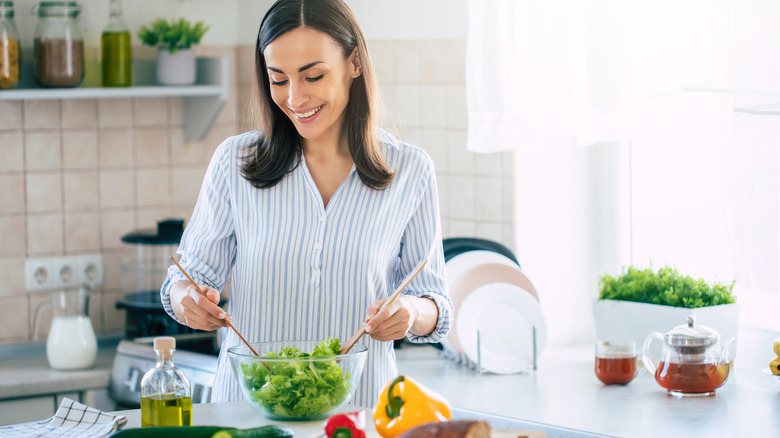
[(305, 67)]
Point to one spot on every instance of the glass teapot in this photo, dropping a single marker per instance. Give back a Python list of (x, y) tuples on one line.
[(72, 343), (692, 361)]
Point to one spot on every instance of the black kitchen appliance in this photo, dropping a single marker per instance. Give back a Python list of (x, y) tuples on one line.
[(143, 272)]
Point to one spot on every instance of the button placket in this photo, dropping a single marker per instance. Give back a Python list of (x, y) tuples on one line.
[(316, 258)]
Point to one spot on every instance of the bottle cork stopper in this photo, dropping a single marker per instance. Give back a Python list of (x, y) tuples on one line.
[(164, 343)]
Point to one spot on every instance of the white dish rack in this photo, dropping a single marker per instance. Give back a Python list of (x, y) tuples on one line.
[(463, 360)]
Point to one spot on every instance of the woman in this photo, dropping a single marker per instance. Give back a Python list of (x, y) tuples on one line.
[(320, 215)]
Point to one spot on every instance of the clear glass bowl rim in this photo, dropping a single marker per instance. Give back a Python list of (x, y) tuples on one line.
[(356, 351)]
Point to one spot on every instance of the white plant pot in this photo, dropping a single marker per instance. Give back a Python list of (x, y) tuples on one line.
[(626, 320), (177, 68)]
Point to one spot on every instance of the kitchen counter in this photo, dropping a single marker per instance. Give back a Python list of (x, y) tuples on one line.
[(563, 392), (25, 372), (240, 414)]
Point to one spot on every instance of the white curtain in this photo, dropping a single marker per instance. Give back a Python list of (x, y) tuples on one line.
[(590, 70), (685, 95)]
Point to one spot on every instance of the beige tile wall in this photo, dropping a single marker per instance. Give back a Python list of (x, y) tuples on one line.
[(75, 175)]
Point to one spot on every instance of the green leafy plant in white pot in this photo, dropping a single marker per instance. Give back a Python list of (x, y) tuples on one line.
[(638, 302), (174, 41)]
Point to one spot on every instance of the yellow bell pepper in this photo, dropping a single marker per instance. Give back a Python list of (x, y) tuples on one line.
[(774, 366), (404, 404)]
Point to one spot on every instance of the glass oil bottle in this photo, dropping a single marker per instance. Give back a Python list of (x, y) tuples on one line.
[(116, 54), (166, 399)]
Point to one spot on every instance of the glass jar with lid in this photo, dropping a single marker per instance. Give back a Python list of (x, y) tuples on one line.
[(59, 45), (9, 46)]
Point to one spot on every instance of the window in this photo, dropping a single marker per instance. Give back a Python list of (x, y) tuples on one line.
[(644, 132)]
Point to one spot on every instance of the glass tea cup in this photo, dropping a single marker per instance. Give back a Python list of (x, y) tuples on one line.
[(616, 362)]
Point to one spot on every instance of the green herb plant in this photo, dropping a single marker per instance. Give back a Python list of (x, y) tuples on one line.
[(665, 287), (298, 388), (174, 35)]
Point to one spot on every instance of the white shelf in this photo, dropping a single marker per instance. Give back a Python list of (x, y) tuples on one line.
[(101, 93), (202, 101)]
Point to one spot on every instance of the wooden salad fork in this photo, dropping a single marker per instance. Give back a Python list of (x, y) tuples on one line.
[(226, 320), (362, 331)]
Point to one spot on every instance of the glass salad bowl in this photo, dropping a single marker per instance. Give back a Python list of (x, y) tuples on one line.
[(297, 380)]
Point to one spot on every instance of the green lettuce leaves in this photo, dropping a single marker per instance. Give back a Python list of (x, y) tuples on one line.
[(298, 388)]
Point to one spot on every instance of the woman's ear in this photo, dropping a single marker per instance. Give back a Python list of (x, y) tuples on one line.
[(354, 61)]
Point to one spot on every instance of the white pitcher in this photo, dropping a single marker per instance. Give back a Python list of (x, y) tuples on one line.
[(71, 344)]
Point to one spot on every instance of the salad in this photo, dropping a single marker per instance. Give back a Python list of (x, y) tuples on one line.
[(298, 389)]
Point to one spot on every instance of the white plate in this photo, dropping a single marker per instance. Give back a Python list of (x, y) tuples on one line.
[(456, 267), (475, 277), (467, 260), (504, 314)]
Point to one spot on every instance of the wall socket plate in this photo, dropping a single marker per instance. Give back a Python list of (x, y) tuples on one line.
[(63, 272)]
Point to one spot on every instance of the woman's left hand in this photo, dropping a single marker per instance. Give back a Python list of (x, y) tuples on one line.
[(407, 313)]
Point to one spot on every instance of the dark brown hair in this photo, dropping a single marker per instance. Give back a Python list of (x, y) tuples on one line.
[(278, 151)]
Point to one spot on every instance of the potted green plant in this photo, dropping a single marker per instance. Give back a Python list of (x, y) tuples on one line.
[(638, 302), (174, 41)]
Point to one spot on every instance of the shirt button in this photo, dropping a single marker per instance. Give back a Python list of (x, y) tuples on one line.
[(316, 273), (322, 218), (318, 246)]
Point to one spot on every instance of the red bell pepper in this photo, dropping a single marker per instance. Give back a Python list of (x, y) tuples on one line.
[(349, 425)]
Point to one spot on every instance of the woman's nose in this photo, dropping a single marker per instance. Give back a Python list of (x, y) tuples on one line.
[(297, 96)]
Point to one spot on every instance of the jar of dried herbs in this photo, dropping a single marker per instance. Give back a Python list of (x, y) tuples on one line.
[(9, 46), (58, 45)]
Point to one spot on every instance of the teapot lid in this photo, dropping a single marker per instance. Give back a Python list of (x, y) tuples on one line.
[(690, 336)]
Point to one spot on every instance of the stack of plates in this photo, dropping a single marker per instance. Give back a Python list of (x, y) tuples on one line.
[(492, 296)]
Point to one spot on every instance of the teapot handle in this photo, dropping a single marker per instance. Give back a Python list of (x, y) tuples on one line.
[(725, 354), (646, 359)]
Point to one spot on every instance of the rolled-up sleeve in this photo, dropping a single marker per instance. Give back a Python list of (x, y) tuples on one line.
[(422, 238), (208, 245)]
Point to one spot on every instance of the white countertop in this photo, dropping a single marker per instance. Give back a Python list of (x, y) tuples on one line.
[(564, 391), (25, 372), (239, 414)]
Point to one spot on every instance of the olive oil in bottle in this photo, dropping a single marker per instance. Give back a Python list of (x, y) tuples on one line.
[(116, 54), (166, 399), (166, 410)]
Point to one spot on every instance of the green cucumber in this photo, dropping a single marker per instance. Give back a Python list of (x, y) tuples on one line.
[(268, 431), (171, 432)]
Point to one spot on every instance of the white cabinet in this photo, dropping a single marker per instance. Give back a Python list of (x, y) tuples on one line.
[(23, 410), (26, 409), (98, 399)]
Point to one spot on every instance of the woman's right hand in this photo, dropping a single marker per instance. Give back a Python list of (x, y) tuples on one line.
[(197, 311)]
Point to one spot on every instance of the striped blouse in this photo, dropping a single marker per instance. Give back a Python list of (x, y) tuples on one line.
[(301, 271)]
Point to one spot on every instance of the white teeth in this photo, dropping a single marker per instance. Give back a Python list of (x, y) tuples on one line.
[(308, 113)]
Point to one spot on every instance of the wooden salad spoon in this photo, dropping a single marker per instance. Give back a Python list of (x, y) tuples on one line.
[(226, 320), (405, 282)]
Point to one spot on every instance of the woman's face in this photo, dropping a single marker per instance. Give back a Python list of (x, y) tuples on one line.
[(310, 80)]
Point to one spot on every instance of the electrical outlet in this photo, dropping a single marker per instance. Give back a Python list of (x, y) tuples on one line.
[(90, 269), (38, 274), (65, 272)]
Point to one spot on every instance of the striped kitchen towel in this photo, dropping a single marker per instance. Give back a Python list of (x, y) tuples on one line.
[(71, 420)]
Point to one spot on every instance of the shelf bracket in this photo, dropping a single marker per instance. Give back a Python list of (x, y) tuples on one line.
[(200, 112)]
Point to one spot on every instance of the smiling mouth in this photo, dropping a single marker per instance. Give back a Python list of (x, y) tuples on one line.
[(308, 114)]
